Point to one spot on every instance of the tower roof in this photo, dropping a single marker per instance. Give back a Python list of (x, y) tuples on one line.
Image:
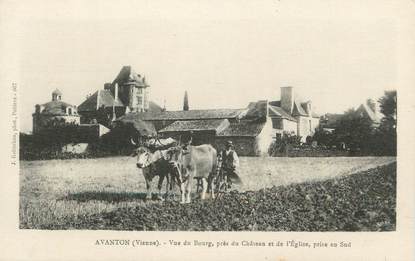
[(127, 76), (55, 108), (57, 92)]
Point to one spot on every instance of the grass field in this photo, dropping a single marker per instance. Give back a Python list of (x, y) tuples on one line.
[(55, 191)]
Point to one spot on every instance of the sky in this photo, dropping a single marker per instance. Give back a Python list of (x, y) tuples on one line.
[(225, 54)]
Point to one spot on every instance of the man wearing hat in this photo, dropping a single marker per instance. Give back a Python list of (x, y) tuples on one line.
[(230, 163)]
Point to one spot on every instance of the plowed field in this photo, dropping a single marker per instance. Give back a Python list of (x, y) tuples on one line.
[(289, 194)]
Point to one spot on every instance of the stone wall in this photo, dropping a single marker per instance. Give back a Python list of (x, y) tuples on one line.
[(244, 146), (198, 138), (307, 126)]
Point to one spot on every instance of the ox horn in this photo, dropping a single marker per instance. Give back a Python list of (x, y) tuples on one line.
[(159, 141)]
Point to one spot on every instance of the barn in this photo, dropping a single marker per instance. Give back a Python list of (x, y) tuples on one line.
[(248, 127)]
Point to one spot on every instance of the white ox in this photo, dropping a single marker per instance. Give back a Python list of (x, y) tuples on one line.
[(194, 162)]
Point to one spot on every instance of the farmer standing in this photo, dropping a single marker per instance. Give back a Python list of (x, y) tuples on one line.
[(230, 163)]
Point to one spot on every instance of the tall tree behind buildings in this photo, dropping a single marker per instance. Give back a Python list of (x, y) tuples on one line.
[(185, 102)]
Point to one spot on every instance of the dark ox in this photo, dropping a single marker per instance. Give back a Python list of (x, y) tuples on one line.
[(156, 163), (194, 162)]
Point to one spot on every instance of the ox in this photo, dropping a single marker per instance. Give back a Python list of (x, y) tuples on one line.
[(154, 162), (194, 162)]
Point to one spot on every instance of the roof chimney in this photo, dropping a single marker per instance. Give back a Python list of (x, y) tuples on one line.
[(107, 86), (287, 99)]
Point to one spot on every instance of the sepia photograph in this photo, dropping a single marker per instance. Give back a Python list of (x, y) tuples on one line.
[(197, 134), (232, 119)]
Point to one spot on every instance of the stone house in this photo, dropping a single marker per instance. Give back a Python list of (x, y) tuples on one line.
[(126, 102), (128, 92), (55, 112), (252, 129), (369, 111), (248, 128), (290, 115), (60, 113)]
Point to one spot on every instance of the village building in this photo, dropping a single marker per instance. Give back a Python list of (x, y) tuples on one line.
[(57, 113), (292, 116), (252, 129), (126, 102), (53, 113), (246, 127), (330, 121), (128, 92), (369, 111)]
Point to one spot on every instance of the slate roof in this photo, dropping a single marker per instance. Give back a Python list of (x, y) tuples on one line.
[(243, 128), (102, 98), (373, 116), (197, 125), (144, 128), (298, 109), (275, 103), (275, 111), (57, 91), (154, 107), (128, 76), (57, 108), (256, 110), (186, 115)]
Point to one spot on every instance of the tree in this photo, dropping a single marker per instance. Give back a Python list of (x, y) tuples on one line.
[(388, 109), (356, 131), (387, 128), (185, 102)]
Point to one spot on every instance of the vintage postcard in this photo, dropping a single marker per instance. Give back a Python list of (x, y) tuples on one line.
[(152, 130)]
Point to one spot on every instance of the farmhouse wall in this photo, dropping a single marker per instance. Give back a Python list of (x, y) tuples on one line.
[(307, 126), (244, 146), (283, 125), (315, 122), (198, 138), (265, 138), (289, 126)]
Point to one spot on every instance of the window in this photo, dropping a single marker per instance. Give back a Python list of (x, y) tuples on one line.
[(139, 90), (277, 123), (139, 100)]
